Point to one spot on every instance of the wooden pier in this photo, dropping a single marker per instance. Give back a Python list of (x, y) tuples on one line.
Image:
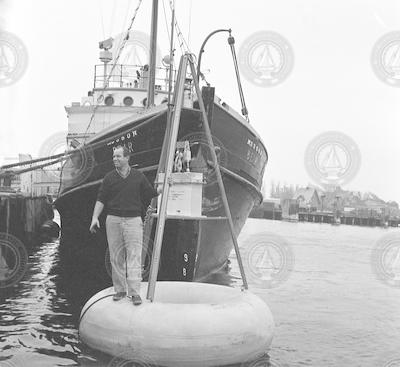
[(22, 216), (350, 219), (270, 212)]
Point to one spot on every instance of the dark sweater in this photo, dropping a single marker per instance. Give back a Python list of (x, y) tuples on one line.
[(126, 197)]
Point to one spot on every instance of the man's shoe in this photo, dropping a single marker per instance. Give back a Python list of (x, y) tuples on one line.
[(118, 296), (136, 300)]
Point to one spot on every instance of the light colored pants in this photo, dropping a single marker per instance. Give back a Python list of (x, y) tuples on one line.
[(124, 236)]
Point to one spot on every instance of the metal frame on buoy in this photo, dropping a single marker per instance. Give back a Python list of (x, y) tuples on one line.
[(166, 161)]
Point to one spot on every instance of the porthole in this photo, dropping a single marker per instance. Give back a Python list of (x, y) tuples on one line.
[(109, 100), (128, 101)]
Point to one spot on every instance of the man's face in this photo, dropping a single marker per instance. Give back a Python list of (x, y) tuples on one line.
[(119, 160)]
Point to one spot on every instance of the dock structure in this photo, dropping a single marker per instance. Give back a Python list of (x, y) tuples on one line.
[(288, 212), (22, 215), (349, 219), (267, 210)]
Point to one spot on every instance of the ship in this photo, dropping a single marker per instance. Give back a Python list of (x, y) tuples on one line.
[(131, 105)]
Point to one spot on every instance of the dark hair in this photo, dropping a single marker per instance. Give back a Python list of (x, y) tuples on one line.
[(125, 150)]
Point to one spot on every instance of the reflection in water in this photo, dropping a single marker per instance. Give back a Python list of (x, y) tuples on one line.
[(40, 315), (331, 301), (35, 318)]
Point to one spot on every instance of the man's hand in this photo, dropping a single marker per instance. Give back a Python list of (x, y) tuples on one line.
[(95, 223), (98, 208)]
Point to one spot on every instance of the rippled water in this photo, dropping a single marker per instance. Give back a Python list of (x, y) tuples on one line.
[(331, 311)]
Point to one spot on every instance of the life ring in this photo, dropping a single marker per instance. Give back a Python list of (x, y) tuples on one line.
[(187, 325)]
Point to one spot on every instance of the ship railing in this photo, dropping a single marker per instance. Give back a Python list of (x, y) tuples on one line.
[(130, 76)]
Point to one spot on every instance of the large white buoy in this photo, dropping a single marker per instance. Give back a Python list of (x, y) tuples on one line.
[(188, 324)]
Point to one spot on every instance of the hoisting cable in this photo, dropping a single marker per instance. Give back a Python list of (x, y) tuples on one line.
[(231, 42)]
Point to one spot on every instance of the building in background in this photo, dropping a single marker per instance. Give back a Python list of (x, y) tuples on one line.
[(307, 198)]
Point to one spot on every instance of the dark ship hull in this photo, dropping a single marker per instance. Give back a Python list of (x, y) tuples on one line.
[(193, 248)]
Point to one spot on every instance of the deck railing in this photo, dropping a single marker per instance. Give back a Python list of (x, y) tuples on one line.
[(130, 76)]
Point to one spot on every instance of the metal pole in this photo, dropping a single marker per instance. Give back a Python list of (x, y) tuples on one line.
[(171, 61), (8, 216), (153, 52), (176, 116), (202, 49), (218, 171), (105, 75), (161, 168), (231, 42)]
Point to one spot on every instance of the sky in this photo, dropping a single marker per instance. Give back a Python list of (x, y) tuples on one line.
[(330, 86)]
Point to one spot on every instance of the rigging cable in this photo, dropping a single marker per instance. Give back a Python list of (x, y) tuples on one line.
[(102, 19), (181, 39), (5, 170), (128, 10), (120, 49), (112, 18), (190, 20), (184, 46), (165, 19)]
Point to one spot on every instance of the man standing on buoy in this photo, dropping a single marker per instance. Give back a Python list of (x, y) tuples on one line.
[(123, 193)]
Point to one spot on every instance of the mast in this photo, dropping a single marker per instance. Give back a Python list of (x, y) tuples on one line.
[(153, 54)]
